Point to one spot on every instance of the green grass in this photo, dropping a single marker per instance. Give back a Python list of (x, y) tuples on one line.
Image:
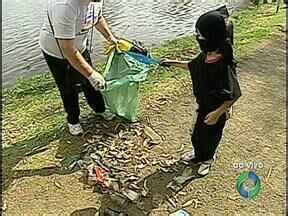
[(33, 115)]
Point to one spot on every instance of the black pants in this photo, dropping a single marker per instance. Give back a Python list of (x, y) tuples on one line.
[(70, 83), (205, 138)]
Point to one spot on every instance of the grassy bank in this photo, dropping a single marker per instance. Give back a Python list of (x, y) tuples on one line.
[(33, 111)]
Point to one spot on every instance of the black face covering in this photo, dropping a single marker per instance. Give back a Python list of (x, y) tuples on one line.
[(205, 45), (212, 27), (214, 35)]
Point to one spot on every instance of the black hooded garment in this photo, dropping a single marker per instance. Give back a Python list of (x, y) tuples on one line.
[(213, 83), (212, 26)]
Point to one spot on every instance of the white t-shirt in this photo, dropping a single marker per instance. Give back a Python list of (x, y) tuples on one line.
[(71, 19)]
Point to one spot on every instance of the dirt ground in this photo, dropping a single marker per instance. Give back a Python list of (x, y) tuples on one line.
[(256, 133)]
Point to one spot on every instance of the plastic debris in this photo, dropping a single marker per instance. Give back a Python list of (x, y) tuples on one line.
[(180, 212), (98, 175)]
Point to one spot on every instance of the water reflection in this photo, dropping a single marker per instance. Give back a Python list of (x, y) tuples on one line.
[(150, 21)]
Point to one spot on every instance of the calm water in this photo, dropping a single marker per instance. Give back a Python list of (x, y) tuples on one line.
[(150, 21)]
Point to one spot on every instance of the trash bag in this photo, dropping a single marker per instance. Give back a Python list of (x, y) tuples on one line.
[(125, 45), (122, 46), (123, 73)]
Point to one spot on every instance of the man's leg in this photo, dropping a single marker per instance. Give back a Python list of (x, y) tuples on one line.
[(69, 95)]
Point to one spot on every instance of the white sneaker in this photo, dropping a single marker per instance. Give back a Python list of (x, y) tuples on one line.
[(75, 129), (205, 167), (188, 156), (107, 115)]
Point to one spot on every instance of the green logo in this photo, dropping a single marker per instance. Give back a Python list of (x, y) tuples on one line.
[(248, 185)]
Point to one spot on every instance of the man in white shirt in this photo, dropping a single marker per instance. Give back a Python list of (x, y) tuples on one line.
[(63, 40)]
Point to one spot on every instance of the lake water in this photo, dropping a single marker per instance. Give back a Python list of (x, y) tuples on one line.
[(149, 21)]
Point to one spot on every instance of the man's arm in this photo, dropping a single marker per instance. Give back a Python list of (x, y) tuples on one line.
[(104, 29), (75, 58)]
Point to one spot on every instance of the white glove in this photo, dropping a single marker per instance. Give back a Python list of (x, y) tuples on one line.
[(97, 81)]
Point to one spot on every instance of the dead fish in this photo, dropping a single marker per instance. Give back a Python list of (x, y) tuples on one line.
[(134, 186), (182, 193), (110, 134), (124, 161), (155, 137), (122, 134), (72, 165), (188, 203), (141, 166), (144, 160), (144, 193), (131, 178), (114, 153), (58, 185), (182, 179), (95, 156), (155, 162), (145, 187), (180, 149), (172, 202), (97, 137), (105, 126), (4, 206), (130, 194), (91, 141), (174, 187), (164, 170)]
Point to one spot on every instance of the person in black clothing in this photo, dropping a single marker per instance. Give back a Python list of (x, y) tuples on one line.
[(215, 86)]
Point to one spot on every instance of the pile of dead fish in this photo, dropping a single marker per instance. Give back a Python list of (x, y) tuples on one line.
[(115, 158)]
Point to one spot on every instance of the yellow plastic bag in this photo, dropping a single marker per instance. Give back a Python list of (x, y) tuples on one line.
[(122, 46)]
